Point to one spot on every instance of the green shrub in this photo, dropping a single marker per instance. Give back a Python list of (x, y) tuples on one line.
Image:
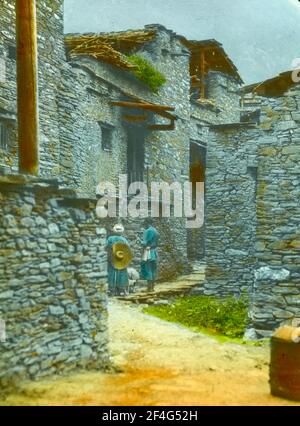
[(147, 73), (226, 316)]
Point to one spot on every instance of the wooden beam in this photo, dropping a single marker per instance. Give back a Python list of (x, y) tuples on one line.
[(134, 118), (166, 114), (202, 74), (27, 85), (162, 127), (151, 107)]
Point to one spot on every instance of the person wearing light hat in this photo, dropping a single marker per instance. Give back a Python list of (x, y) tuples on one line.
[(118, 249)]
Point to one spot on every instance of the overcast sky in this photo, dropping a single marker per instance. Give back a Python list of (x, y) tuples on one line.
[(262, 37)]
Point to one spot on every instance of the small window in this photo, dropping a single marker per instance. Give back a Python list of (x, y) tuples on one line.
[(3, 135), (106, 136), (12, 52)]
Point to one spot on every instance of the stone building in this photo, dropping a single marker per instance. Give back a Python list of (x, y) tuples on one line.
[(52, 247), (99, 120), (252, 223), (94, 139)]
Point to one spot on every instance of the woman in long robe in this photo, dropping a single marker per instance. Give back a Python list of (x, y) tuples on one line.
[(117, 278), (150, 256)]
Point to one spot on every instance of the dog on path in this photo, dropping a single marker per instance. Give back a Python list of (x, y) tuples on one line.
[(133, 276)]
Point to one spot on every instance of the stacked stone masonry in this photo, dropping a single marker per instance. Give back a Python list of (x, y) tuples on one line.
[(52, 282), (53, 261)]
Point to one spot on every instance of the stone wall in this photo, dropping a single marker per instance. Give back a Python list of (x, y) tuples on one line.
[(88, 93), (52, 281), (224, 91), (8, 101), (51, 56), (276, 295), (84, 104), (85, 94), (252, 173), (252, 211), (230, 210)]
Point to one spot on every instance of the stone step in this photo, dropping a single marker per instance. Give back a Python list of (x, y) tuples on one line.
[(193, 277), (163, 291), (183, 285)]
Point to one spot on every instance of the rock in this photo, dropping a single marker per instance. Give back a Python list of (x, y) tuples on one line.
[(27, 222), (55, 262), (65, 276), (9, 221), (79, 292), (54, 349), (283, 314), (6, 295), (291, 149), (161, 303), (26, 210), (83, 319), (53, 229), (86, 351), (264, 334), (286, 125), (72, 310), (53, 203), (101, 232), (267, 273), (30, 200), (40, 221), (56, 310), (15, 283), (236, 253), (78, 215), (250, 335)]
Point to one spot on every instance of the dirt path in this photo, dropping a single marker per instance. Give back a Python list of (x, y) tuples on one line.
[(162, 364)]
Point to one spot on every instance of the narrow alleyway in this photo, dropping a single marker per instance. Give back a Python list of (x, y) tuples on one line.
[(183, 285), (162, 364)]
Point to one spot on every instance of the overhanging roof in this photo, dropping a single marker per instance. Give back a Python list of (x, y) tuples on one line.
[(113, 47), (137, 103), (273, 87), (215, 56), (108, 47)]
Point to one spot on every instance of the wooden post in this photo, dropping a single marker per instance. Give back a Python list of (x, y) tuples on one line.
[(27, 86), (202, 71)]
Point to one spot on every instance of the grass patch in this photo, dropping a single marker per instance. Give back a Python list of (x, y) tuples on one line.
[(227, 317), (147, 73)]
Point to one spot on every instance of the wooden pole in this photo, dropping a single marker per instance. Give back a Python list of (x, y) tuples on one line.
[(27, 86), (202, 72)]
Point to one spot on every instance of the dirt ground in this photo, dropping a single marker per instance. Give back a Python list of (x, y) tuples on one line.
[(162, 364)]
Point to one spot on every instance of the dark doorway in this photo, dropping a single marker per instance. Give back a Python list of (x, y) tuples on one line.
[(196, 237), (135, 154)]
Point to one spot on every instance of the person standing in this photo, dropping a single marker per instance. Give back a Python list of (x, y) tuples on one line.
[(117, 278), (150, 256)]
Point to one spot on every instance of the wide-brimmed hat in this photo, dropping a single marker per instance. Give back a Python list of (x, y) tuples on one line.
[(121, 255), (118, 228)]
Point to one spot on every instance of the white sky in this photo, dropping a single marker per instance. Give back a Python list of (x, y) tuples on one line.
[(262, 37)]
